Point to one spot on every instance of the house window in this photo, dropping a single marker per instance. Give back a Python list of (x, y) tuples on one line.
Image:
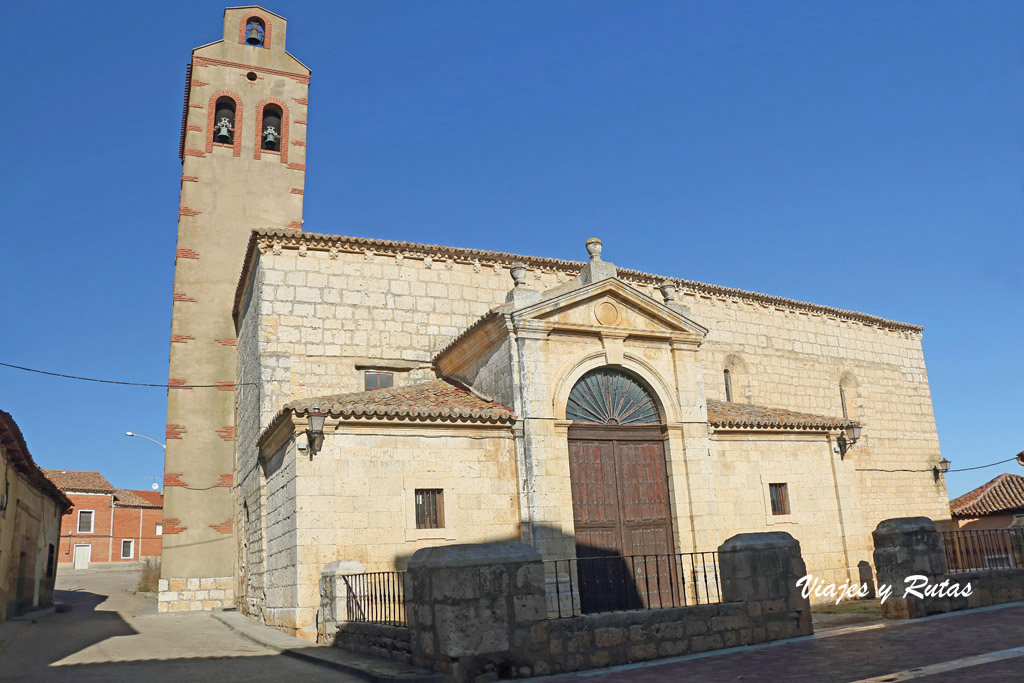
[(127, 549), (255, 32), (780, 498), (159, 529), (378, 380), (728, 385), (85, 521), (429, 508), (51, 555)]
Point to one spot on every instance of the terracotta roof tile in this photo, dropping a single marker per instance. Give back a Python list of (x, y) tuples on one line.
[(742, 415), (12, 441), (432, 400), (1002, 494), (80, 480), (129, 498)]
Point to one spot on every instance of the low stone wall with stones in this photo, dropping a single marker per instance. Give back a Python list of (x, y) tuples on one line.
[(189, 595), (478, 612), (380, 640), (911, 546)]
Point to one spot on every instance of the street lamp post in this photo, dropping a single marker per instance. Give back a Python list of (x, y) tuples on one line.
[(143, 436)]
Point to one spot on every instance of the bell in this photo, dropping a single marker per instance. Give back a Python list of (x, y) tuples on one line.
[(254, 36), (223, 134), (270, 139)]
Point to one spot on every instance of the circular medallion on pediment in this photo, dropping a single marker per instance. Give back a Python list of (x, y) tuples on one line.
[(606, 313)]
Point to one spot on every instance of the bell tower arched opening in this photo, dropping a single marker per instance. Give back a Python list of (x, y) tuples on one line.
[(620, 494)]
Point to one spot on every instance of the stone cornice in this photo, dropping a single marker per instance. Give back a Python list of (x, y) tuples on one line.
[(268, 239)]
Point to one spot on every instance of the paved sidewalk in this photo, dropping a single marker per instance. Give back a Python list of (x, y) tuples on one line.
[(364, 666), (857, 655)]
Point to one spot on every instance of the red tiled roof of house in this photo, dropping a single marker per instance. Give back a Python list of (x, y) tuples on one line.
[(744, 416), (432, 400), (16, 450), (129, 498), (80, 480), (1005, 493)]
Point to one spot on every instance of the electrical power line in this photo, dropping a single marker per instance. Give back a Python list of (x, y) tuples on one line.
[(131, 384), (932, 469)]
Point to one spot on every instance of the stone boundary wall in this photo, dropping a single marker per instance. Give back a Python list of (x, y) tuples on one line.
[(478, 612), (910, 546), (192, 595), (379, 640)]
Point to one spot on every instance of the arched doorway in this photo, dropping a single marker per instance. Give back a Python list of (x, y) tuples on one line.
[(620, 496)]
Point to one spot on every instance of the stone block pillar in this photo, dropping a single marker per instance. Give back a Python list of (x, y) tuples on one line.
[(334, 597), (476, 609), (761, 570), (911, 547)]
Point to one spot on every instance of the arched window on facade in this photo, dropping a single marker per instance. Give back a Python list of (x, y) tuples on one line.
[(848, 396), (735, 380), (224, 121), (270, 128), (255, 32), (610, 397)]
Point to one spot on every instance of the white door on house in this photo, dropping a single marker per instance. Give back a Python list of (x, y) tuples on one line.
[(83, 553)]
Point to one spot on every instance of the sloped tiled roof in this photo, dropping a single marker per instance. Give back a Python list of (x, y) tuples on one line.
[(742, 415), (13, 443), (1003, 494), (432, 400), (129, 498), (80, 480)]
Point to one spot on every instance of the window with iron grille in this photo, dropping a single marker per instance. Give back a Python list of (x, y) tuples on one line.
[(780, 498), (378, 380), (85, 521), (429, 508)]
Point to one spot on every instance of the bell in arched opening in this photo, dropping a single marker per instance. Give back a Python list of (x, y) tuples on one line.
[(255, 32), (271, 128), (224, 121)]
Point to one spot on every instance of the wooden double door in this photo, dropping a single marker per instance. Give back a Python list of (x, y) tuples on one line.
[(620, 503)]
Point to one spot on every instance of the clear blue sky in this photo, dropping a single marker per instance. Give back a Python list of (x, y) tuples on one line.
[(860, 155)]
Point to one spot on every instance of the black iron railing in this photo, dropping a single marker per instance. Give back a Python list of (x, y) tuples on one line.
[(612, 583), (377, 597), (980, 549)]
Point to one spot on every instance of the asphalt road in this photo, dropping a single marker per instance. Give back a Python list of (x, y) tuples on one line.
[(112, 634)]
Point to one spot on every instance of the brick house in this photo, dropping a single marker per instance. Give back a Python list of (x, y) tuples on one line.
[(998, 504), (107, 525)]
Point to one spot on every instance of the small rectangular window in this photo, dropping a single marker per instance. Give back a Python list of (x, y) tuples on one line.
[(429, 508), (378, 380), (780, 498), (85, 521), (127, 549), (51, 555), (159, 529)]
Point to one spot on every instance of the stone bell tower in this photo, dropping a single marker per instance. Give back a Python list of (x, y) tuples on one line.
[(243, 152)]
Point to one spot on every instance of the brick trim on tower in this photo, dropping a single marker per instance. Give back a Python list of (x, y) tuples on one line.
[(284, 129), (262, 16), (212, 112), (174, 431), (173, 479), (172, 525), (224, 527)]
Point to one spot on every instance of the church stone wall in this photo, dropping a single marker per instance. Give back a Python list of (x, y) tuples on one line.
[(354, 500), (329, 302)]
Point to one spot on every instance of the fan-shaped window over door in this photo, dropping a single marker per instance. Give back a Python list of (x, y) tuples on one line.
[(610, 397)]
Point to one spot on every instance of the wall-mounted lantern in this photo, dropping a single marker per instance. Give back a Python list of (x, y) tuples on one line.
[(315, 431), (847, 438), (941, 468)]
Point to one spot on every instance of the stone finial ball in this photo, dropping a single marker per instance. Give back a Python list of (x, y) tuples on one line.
[(668, 291), (594, 248), (518, 272)]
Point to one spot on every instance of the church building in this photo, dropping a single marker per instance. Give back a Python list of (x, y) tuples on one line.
[(359, 399)]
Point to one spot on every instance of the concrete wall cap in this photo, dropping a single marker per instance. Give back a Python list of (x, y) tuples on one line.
[(343, 567), (470, 554), (903, 525), (771, 539)]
